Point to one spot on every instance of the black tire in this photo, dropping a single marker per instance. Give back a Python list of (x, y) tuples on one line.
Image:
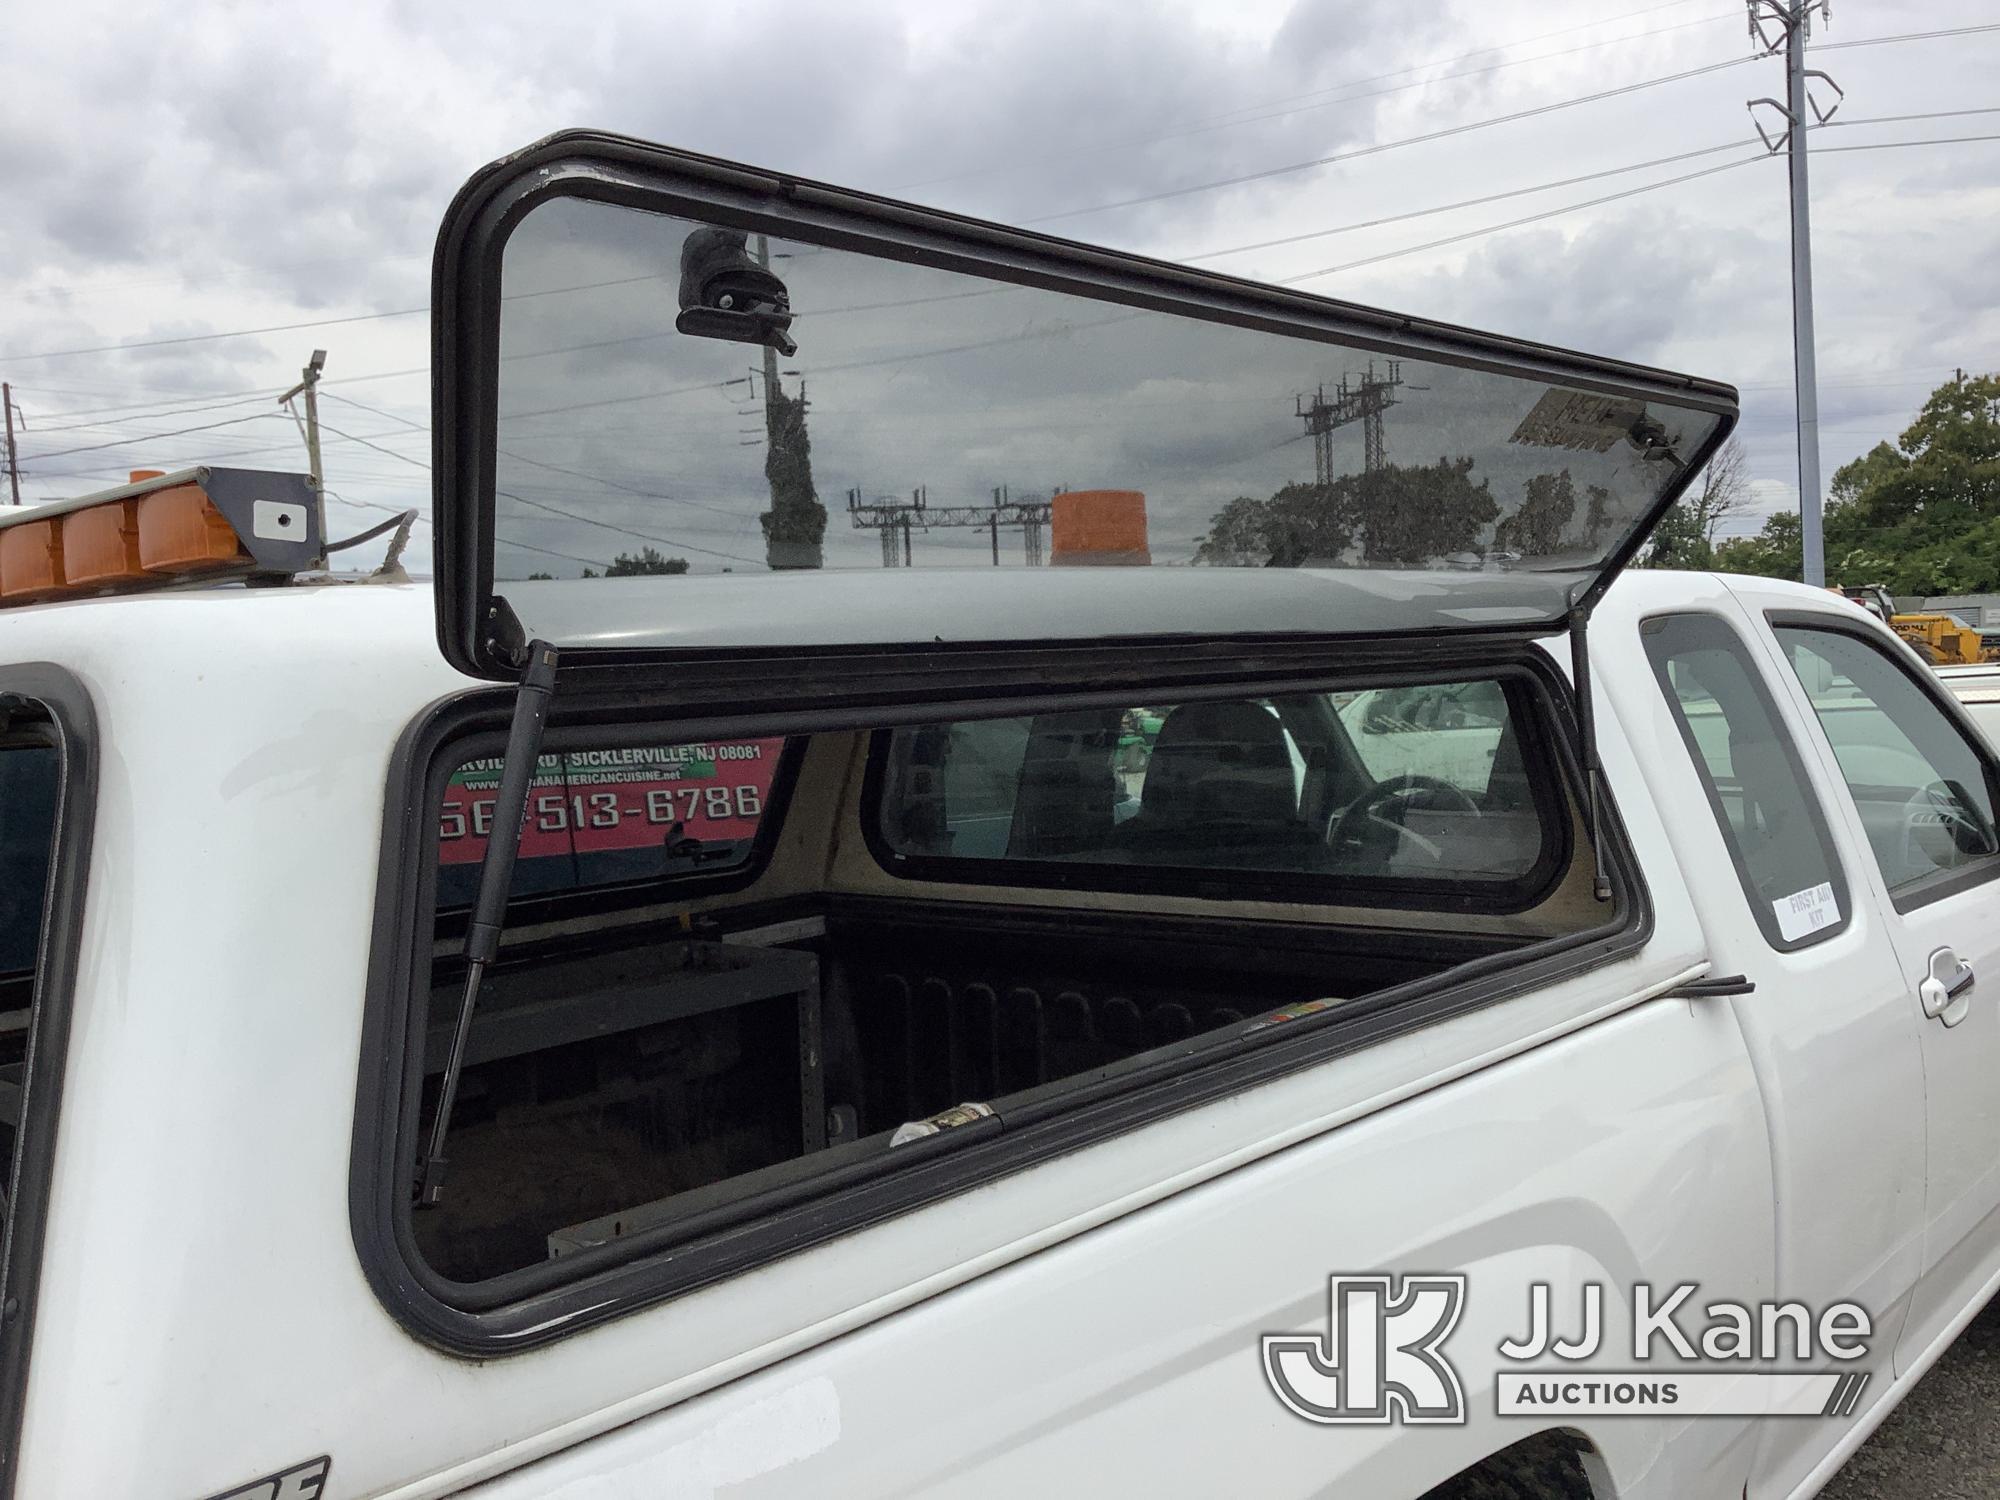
[(1544, 1467)]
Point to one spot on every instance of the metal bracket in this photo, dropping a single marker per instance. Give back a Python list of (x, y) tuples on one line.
[(1823, 115), (1757, 18), (1784, 137)]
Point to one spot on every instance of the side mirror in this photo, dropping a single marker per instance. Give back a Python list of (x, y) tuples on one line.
[(727, 295)]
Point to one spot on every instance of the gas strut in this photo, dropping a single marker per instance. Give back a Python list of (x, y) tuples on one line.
[(496, 878)]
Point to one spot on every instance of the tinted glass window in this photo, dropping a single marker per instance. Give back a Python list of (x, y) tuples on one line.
[(610, 817), (28, 781), (1755, 780), (1403, 783), (1925, 791), (913, 414)]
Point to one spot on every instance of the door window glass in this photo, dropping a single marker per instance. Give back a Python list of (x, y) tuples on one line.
[(1924, 789), (1754, 778)]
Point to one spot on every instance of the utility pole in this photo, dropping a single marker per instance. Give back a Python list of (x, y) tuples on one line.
[(13, 459), (308, 386), (1799, 111)]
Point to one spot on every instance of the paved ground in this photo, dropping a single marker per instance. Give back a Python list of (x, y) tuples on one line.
[(1943, 1442)]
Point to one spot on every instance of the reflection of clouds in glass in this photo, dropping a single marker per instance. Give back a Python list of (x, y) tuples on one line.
[(617, 433)]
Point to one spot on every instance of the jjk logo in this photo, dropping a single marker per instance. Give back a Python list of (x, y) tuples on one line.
[(1380, 1360), (304, 1482)]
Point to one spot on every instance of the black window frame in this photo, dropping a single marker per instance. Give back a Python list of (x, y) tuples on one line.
[(62, 699), (1899, 655), (1494, 897), (548, 1301), (1760, 905), (467, 298)]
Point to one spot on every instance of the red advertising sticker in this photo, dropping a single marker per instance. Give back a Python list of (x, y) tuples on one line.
[(587, 801)]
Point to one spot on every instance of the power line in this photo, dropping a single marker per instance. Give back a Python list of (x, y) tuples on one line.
[(1415, 140), (1420, 213), (1907, 36), (643, 536), (242, 333), (366, 443), (237, 333), (153, 437), (1948, 140), (501, 541), (143, 416), (392, 416), (1935, 114), (1263, 175), (1534, 218), (258, 392), (720, 510), (1232, 118)]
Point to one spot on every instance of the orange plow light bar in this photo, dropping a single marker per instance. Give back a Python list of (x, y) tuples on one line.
[(204, 525)]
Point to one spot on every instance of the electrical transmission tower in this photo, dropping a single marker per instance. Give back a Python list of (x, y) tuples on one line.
[(1360, 399), (896, 519), (1799, 112)]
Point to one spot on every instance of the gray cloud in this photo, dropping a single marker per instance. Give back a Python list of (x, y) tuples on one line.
[(177, 169)]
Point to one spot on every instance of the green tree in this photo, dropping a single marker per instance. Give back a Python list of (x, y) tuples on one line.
[(649, 562), (1685, 535), (1775, 552), (1920, 518)]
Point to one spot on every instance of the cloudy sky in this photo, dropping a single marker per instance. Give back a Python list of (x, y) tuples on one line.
[(176, 175)]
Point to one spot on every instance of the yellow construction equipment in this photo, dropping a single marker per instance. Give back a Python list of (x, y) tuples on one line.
[(1939, 638)]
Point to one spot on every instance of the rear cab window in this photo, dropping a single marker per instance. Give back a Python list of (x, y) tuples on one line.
[(1418, 794)]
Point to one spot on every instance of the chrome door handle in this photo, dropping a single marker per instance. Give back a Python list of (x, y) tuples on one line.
[(1946, 992)]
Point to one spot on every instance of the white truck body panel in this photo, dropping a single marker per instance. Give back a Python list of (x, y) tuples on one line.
[(1098, 1314)]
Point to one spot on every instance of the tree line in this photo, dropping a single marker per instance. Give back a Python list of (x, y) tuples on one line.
[(1920, 515)]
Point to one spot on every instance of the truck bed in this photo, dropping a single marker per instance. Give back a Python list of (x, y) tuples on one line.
[(633, 1072)]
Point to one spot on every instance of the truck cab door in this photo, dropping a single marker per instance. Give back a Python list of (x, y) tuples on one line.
[(1835, 1047), (1923, 793)]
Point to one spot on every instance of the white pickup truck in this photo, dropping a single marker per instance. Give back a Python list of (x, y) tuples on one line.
[(1427, 1016)]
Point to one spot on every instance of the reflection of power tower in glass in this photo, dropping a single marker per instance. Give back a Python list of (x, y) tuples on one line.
[(1360, 400), (896, 519)]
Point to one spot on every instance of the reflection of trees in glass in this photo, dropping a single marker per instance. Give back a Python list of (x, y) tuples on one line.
[(1413, 516), (648, 562), (1536, 529), (1300, 522), (795, 525), (1398, 516), (1596, 517)]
